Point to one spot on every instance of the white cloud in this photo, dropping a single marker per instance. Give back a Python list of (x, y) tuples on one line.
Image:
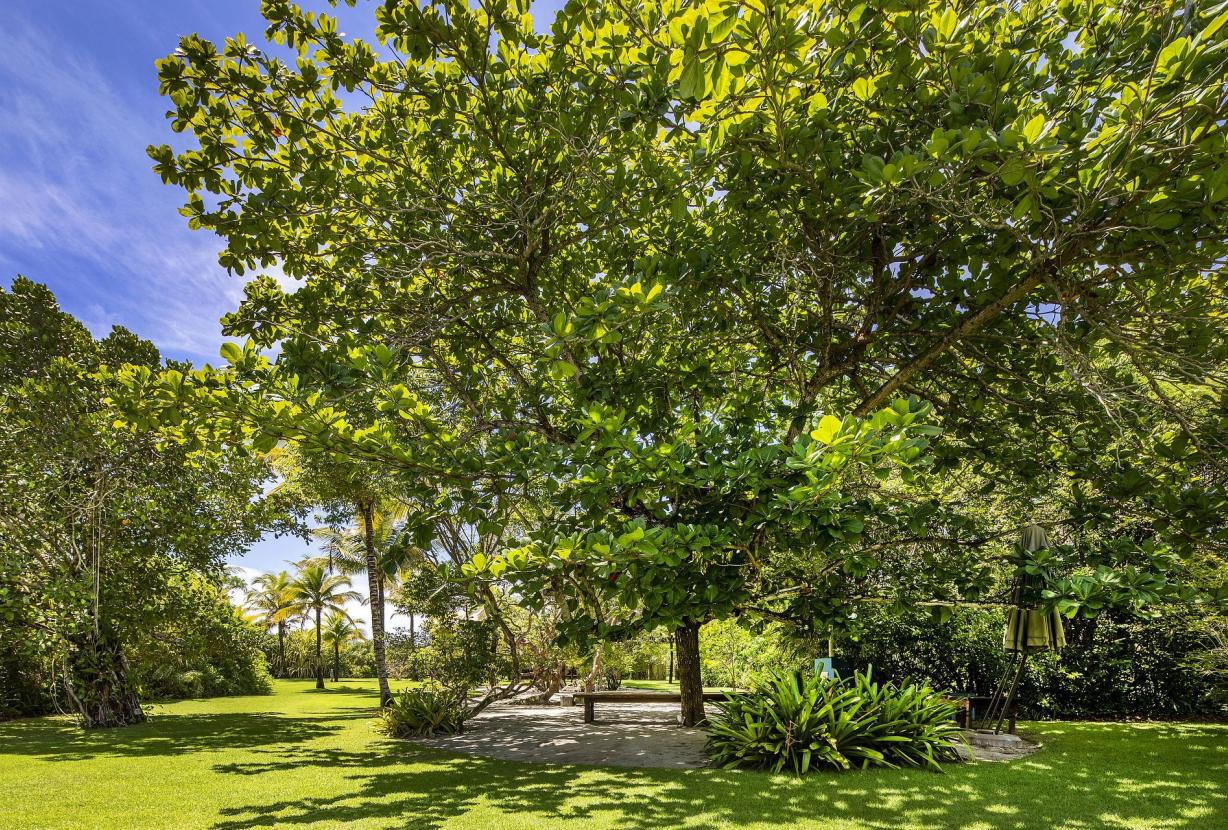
[(79, 194)]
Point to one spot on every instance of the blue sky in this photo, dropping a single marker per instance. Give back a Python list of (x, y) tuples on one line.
[(80, 208)]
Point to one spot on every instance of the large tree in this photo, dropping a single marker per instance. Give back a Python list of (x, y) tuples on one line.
[(351, 492), (98, 522), (693, 267)]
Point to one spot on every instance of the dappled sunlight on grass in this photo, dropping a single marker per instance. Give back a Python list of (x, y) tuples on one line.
[(304, 758)]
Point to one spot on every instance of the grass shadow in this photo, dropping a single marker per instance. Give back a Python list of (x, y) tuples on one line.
[(166, 735), (1094, 776)]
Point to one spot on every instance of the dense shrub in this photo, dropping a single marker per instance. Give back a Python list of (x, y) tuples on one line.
[(204, 650), (645, 657), (460, 654), (357, 657), (25, 681), (1113, 666), (420, 713), (197, 646), (1211, 665), (801, 722), (731, 655)]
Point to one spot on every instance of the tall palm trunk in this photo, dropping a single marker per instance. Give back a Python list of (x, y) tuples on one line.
[(375, 584), (281, 648), (319, 652), (690, 684), (336, 661)]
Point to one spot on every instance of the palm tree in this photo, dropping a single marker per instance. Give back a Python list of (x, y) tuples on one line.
[(313, 590), (270, 596), (378, 546), (339, 629)]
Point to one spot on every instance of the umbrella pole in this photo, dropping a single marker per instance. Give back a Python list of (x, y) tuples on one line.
[(997, 692), (1006, 704)]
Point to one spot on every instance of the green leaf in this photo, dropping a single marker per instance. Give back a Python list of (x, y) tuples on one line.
[(678, 207), (231, 353), (562, 370), (264, 442), (1023, 207), (1172, 56), (873, 165), (1034, 129), (829, 426), (1012, 172), (693, 82), (946, 24)]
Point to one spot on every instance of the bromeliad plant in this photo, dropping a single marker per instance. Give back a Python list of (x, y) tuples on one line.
[(421, 713), (800, 722)]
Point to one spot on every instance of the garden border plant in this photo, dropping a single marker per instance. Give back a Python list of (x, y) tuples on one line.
[(801, 721)]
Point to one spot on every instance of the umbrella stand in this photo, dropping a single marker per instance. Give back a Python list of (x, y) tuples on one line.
[(1029, 630), (997, 692), (1010, 696)]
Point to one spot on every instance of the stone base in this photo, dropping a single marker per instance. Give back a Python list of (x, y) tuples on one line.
[(998, 740), (984, 745)]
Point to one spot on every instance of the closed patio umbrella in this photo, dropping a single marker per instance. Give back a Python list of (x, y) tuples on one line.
[(1029, 630)]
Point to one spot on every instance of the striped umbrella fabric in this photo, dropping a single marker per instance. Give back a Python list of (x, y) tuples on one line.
[(1031, 630)]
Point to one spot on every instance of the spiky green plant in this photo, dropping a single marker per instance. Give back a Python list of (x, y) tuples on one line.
[(799, 722), (420, 713)]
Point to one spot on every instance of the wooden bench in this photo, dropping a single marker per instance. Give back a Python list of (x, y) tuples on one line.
[(634, 696)]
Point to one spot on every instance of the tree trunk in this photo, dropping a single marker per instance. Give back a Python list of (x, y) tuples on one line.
[(319, 654), (412, 636), (690, 684), (374, 583), (336, 662), (98, 688), (594, 671), (281, 649), (671, 657)]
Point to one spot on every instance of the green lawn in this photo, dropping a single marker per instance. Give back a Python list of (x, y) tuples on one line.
[(663, 686), (305, 758)]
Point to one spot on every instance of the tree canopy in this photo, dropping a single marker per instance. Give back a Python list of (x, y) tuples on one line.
[(712, 276)]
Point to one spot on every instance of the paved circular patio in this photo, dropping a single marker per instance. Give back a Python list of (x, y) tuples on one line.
[(624, 735)]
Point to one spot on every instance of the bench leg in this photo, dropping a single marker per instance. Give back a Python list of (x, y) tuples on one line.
[(588, 710)]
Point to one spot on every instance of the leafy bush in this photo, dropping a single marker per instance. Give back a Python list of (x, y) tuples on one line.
[(201, 648), (732, 655), (420, 713), (357, 657), (461, 654), (25, 680), (799, 722), (1112, 666)]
